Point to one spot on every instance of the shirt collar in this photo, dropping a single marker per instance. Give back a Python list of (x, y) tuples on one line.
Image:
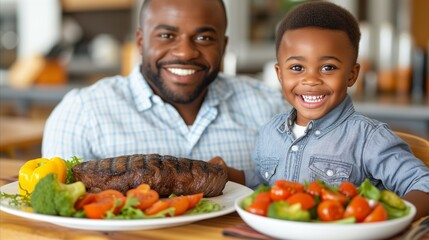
[(145, 98), (334, 118)]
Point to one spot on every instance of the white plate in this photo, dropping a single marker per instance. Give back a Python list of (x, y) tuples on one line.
[(231, 192), (284, 229)]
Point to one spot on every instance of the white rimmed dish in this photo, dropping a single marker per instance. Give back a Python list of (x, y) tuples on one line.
[(231, 192), (284, 229)]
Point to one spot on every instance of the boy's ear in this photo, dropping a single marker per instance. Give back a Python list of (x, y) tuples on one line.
[(353, 75), (278, 72)]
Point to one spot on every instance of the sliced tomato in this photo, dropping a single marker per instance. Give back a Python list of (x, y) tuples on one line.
[(331, 195), (305, 199), (84, 200), (379, 214), (102, 202), (330, 210), (314, 188), (194, 199), (348, 189), (180, 204), (146, 197), (260, 205), (157, 207), (358, 208)]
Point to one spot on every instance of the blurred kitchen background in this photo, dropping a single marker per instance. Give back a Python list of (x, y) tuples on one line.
[(51, 46)]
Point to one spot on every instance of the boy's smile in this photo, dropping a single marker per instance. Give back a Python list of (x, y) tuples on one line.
[(315, 68)]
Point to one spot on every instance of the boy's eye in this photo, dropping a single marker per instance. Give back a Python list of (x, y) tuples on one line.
[(296, 68), (328, 68)]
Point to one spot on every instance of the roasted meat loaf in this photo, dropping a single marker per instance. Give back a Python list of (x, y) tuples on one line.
[(165, 174)]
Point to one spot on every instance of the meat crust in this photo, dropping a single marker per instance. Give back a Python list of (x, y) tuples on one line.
[(165, 174)]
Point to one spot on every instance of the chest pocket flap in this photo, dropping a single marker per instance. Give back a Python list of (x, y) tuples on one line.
[(330, 171), (268, 167)]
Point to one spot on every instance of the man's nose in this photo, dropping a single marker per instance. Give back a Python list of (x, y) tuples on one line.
[(185, 49)]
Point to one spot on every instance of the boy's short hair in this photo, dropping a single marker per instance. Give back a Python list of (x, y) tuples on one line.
[(323, 15)]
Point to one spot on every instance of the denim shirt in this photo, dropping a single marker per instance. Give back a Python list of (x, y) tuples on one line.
[(341, 146)]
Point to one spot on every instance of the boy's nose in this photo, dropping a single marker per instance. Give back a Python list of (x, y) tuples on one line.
[(185, 49), (312, 78)]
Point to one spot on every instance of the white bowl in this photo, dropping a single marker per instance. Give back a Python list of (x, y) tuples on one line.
[(284, 229)]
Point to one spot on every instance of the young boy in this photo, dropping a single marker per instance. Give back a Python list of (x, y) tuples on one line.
[(323, 137)]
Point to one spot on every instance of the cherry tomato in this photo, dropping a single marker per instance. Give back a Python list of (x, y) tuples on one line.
[(180, 204), (331, 195), (379, 214), (282, 189), (293, 186), (358, 208), (260, 205), (330, 210), (348, 189), (194, 199), (157, 207), (314, 188), (305, 199)]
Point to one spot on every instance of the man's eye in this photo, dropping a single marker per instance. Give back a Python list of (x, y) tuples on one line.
[(203, 38), (165, 35), (296, 68)]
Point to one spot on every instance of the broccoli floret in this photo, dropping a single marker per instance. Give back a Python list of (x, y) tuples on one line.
[(52, 197)]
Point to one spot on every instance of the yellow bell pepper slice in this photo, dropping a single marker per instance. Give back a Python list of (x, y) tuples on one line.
[(34, 170)]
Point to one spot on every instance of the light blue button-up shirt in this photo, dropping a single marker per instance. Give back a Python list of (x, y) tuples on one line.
[(341, 146), (121, 115)]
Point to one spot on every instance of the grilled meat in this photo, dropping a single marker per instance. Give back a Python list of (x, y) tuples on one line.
[(165, 174)]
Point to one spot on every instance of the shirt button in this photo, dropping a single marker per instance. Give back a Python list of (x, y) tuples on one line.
[(266, 174), (317, 133), (294, 148), (330, 173)]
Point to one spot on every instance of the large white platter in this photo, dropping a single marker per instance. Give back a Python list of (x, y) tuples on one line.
[(284, 229), (231, 192)]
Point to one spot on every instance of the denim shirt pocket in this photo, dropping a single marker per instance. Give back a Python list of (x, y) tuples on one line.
[(332, 172), (268, 167)]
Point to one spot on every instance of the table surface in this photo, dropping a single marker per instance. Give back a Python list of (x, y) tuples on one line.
[(18, 132), (13, 227)]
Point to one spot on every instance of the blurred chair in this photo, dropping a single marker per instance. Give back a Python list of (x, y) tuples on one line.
[(419, 146)]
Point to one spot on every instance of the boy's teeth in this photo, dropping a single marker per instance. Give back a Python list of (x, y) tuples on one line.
[(181, 71), (312, 98)]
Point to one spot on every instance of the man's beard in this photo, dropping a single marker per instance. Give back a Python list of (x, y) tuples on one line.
[(169, 95)]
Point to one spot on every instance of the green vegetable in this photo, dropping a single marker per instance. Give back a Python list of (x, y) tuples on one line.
[(369, 191), (204, 206), (391, 199), (394, 212), (285, 211), (52, 197), (249, 200), (69, 165)]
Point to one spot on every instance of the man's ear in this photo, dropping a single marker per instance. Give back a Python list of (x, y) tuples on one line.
[(353, 75), (139, 40)]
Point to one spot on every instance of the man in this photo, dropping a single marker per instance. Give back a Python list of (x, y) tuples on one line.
[(174, 103)]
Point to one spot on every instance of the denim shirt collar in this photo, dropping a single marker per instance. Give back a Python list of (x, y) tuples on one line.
[(145, 98), (324, 124)]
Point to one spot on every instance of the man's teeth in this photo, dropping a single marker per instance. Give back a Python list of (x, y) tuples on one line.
[(181, 71), (312, 99)]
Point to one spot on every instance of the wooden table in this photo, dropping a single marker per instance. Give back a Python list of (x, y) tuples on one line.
[(18, 132), (12, 227)]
